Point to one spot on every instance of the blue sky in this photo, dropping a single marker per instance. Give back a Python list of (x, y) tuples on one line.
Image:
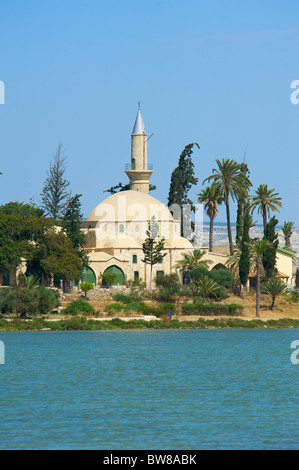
[(217, 73)]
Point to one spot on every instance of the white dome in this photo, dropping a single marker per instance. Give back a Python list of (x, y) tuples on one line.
[(126, 206)]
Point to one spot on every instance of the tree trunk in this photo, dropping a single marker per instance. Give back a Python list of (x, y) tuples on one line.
[(258, 287), (264, 216), (229, 230), (151, 275), (211, 234), (243, 291)]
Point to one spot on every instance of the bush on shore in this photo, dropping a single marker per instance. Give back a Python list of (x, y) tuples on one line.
[(212, 309), (79, 306), (28, 301)]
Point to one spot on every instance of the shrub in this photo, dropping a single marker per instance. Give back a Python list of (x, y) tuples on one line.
[(79, 306), (209, 309), (293, 297), (5, 294), (114, 308), (126, 299), (47, 300), (168, 286), (224, 277)]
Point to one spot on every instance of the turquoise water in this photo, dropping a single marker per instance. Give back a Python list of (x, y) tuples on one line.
[(149, 390)]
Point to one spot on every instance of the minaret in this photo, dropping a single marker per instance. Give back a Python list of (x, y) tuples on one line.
[(139, 172)]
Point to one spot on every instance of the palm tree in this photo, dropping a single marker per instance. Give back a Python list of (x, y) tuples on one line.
[(265, 200), (192, 260), (210, 199), (207, 287), (274, 288), (229, 180), (287, 231)]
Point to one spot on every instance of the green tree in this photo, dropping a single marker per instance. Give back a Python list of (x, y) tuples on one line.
[(229, 180), (152, 247), (53, 254), (182, 179), (192, 260), (168, 285), (264, 201), (210, 199), (242, 206), (71, 222), (85, 287), (274, 288), (55, 192), (107, 279), (269, 255), (287, 232), (207, 287), (244, 264)]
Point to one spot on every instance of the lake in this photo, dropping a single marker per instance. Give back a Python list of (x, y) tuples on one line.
[(149, 390)]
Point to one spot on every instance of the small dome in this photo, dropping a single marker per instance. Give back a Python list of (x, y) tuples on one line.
[(120, 243)]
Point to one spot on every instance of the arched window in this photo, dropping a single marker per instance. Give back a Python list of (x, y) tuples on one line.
[(121, 228), (134, 259)]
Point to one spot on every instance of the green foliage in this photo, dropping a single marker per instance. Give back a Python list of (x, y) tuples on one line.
[(265, 200), (126, 299), (86, 286), (168, 286), (269, 254), (54, 254), (79, 306), (275, 287), (212, 309), (47, 300), (55, 193), (107, 279), (152, 247), (71, 222), (224, 277), (182, 179), (28, 300), (223, 280), (293, 297), (229, 180), (136, 284), (287, 231), (5, 294)]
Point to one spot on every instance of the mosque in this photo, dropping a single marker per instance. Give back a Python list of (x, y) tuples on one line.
[(116, 228)]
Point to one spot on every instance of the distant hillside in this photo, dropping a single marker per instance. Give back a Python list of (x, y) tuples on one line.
[(220, 235)]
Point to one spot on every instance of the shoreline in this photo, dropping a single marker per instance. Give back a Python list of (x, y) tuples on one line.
[(84, 324)]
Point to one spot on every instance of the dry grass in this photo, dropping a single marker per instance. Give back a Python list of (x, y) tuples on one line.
[(282, 308)]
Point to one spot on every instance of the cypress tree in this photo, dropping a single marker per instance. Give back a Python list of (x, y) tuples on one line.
[(182, 179), (269, 254)]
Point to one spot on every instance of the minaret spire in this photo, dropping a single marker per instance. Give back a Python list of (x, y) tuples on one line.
[(139, 173)]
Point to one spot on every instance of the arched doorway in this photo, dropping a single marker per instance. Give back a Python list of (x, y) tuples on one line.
[(88, 275), (119, 275), (219, 266)]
